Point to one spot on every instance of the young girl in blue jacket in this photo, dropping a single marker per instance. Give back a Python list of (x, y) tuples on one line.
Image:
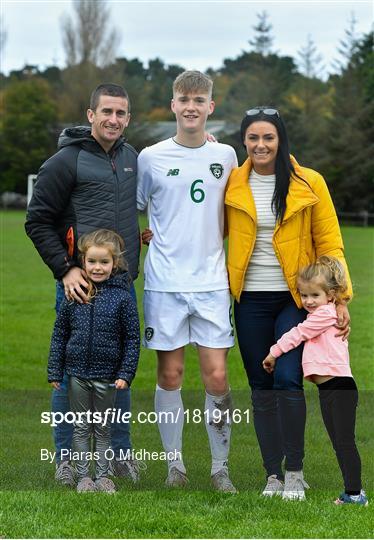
[(97, 344)]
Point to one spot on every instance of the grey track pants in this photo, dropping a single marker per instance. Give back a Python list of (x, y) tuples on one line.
[(94, 396)]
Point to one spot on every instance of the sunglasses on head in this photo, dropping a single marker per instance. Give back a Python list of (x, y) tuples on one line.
[(268, 112)]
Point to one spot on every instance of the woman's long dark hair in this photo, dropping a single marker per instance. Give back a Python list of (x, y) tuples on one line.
[(283, 165)]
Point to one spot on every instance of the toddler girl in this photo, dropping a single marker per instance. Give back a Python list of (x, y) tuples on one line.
[(326, 363), (97, 344)]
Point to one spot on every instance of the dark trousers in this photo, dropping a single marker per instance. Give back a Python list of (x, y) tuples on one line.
[(338, 398), (279, 409)]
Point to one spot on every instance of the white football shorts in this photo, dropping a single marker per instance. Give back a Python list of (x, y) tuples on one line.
[(172, 320)]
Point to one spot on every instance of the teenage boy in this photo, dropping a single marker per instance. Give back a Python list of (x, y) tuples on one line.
[(186, 299), (90, 183)]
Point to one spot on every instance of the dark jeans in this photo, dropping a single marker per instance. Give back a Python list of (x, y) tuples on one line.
[(338, 398), (63, 433), (279, 409)]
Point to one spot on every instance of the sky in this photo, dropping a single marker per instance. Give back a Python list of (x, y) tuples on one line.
[(193, 34)]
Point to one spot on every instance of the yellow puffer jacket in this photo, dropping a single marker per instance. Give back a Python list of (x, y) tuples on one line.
[(309, 229)]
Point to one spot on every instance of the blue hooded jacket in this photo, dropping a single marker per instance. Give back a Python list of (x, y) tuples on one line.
[(98, 340)]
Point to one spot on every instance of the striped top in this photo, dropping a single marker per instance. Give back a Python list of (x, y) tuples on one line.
[(264, 272)]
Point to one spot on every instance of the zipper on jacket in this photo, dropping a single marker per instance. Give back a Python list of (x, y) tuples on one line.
[(242, 209), (276, 248), (116, 192), (91, 332), (247, 262)]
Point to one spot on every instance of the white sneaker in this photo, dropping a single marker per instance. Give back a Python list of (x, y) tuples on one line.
[(105, 484), (294, 486), (221, 482), (176, 478), (86, 485), (273, 486)]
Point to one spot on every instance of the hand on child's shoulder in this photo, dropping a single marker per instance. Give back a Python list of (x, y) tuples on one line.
[(343, 321)]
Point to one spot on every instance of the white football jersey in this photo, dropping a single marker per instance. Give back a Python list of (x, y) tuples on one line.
[(184, 190)]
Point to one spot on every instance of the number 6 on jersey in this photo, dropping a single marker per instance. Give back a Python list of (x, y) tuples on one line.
[(197, 194)]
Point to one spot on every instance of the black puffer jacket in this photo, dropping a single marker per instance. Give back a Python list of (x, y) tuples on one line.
[(99, 340), (79, 189)]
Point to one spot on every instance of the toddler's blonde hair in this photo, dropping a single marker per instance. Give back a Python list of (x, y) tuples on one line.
[(330, 274)]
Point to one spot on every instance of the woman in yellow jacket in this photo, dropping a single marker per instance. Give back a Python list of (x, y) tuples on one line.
[(280, 218)]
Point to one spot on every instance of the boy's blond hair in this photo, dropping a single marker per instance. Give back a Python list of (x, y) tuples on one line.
[(193, 82)]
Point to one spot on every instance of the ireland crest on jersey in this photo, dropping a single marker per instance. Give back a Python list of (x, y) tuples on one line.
[(217, 170), (148, 333)]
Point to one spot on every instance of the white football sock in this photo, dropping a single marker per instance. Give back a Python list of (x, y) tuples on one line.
[(170, 401), (219, 431)]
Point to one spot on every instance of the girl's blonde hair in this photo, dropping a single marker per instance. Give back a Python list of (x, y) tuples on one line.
[(330, 274), (112, 242)]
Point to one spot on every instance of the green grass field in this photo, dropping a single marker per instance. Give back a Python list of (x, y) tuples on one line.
[(32, 506)]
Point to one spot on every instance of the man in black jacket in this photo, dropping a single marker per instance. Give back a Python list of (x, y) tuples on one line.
[(90, 183)]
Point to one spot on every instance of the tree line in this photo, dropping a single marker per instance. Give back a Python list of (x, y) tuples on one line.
[(330, 122)]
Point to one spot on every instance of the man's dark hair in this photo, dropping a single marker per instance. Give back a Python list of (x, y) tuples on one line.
[(107, 89)]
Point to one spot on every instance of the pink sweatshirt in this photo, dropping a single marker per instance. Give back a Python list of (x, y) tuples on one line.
[(324, 354)]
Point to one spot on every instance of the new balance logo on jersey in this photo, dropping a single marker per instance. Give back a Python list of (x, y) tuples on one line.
[(217, 170), (173, 172)]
